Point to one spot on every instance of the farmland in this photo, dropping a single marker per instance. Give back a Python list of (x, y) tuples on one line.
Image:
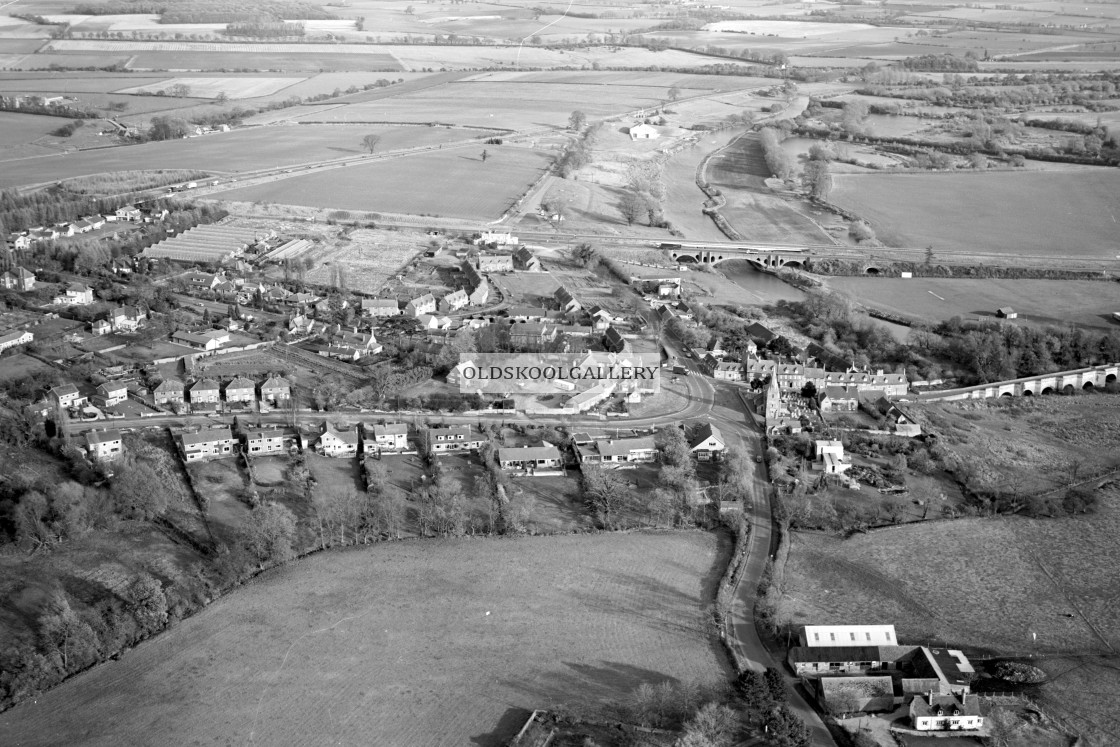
[(209, 88), (997, 212), (241, 150), (362, 648), (452, 182), (1082, 302)]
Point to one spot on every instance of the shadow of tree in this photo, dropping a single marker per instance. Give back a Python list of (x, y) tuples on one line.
[(508, 725)]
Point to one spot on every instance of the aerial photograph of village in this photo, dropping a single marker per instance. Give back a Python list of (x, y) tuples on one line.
[(584, 374)]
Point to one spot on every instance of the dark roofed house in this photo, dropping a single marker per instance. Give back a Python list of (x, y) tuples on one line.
[(1006, 312), (614, 342), (168, 391), (215, 442), (567, 301), (946, 713), (838, 399), (276, 388), (525, 260)]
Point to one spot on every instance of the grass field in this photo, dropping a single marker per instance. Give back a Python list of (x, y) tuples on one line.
[(421, 643), (998, 212), (209, 88), (454, 182), (1083, 302), (370, 258), (239, 150)]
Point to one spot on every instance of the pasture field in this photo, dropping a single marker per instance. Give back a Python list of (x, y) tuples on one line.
[(277, 62), (1058, 302), (230, 152), (453, 182), (28, 134), (211, 87), (996, 212), (441, 642), (74, 82), (508, 104)]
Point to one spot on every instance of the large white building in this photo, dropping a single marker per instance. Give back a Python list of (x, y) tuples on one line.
[(848, 635)]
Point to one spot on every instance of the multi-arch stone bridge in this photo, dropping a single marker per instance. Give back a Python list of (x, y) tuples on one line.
[(1062, 382), (767, 256)]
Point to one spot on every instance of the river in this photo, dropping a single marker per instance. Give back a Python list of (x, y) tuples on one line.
[(765, 289)]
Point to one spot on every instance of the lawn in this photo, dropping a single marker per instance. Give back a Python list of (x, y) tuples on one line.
[(442, 642), (453, 182), (999, 212), (245, 149), (1057, 302)]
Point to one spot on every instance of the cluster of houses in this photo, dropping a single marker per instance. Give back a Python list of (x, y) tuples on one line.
[(120, 319), (208, 393), (864, 669), (128, 213)]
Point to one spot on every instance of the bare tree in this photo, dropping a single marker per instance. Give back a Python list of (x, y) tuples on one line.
[(370, 142)]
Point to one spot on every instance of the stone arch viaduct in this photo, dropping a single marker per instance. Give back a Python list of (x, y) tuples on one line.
[(1062, 382)]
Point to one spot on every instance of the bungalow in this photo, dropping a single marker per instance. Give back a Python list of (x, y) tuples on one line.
[(425, 304), (387, 437), (618, 451), (337, 443), (526, 261), (453, 301), (201, 281), (708, 444), (209, 340), (168, 391), (529, 458), (109, 394), (241, 390), (494, 262), (18, 279), (77, 294), (263, 441), (455, 438), (66, 396), (215, 442), (15, 338), (205, 392), (526, 314), (338, 352), (838, 399), (380, 307), (276, 388), (946, 713), (103, 445), (566, 300)]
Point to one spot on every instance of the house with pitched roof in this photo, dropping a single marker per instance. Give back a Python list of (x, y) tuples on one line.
[(384, 437), (15, 338), (526, 261), (380, 307), (494, 262), (103, 445), (425, 304), (838, 399), (66, 396), (946, 713), (453, 439), (241, 390), (205, 392), (18, 279), (529, 458), (454, 301), (261, 441), (708, 444), (610, 452), (213, 442), (566, 300), (126, 318), (275, 389), (110, 393), (168, 391), (77, 294), (337, 442)]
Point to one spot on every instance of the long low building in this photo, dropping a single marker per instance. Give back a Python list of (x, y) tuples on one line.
[(208, 243)]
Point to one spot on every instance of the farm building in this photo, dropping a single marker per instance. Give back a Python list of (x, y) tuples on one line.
[(207, 243), (1006, 312), (848, 635)]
